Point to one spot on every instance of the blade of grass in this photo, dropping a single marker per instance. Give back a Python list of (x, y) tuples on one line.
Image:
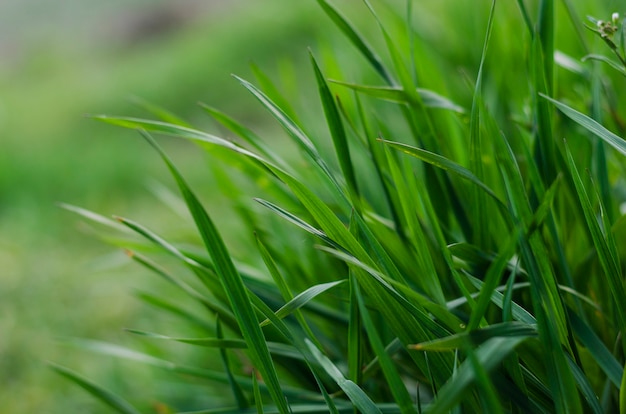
[(302, 299), (337, 130), (233, 285), (398, 389), (589, 124), (606, 249), (356, 39), (477, 148), (110, 399), (358, 397), (240, 398), (489, 355), (446, 165), (429, 98), (479, 336)]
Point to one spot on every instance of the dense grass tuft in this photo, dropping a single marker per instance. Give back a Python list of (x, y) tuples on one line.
[(418, 251)]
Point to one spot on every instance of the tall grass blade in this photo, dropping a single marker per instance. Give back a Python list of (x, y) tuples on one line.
[(428, 98), (358, 397), (240, 398), (591, 125), (489, 355), (233, 285), (398, 389), (302, 299), (337, 130), (356, 39), (606, 249)]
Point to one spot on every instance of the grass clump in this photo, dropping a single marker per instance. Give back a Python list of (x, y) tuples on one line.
[(418, 256)]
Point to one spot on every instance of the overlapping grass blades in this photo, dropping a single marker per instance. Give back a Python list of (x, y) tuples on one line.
[(444, 278)]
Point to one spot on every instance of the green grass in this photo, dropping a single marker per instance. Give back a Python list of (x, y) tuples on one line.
[(442, 235), (52, 153)]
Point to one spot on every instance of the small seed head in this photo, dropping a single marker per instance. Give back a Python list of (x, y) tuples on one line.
[(615, 18)]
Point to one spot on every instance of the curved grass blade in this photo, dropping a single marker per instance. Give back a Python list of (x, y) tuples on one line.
[(398, 389), (446, 165), (302, 299), (358, 397), (175, 310), (605, 246), (479, 336), (615, 65), (582, 381), (298, 135), (110, 399), (276, 348), (356, 39), (243, 132), (242, 401), (233, 285), (337, 130), (160, 112), (489, 356), (591, 125), (194, 371), (429, 98)]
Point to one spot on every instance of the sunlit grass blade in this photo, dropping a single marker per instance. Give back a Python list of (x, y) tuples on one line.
[(601, 58), (604, 358), (233, 285), (302, 299), (95, 217), (110, 399), (176, 131), (429, 98)]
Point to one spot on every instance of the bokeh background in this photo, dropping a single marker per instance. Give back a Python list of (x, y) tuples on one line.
[(63, 59), (60, 60)]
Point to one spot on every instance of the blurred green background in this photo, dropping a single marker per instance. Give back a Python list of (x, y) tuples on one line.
[(62, 59)]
